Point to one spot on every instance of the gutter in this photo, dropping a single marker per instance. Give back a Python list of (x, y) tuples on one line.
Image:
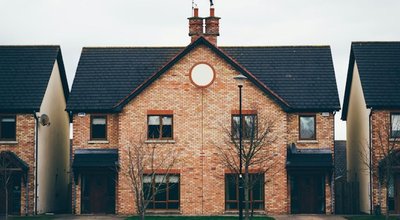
[(36, 160)]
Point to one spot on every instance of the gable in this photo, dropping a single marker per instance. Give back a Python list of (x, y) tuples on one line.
[(24, 75), (379, 69)]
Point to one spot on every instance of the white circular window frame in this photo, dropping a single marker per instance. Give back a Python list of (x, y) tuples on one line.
[(202, 75)]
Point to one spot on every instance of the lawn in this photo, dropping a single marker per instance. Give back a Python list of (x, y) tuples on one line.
[(370, 217), (197, 218)]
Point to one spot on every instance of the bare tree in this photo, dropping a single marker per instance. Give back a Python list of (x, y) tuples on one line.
[(143, 165), (383, 158), (257, 156), (6, 174)]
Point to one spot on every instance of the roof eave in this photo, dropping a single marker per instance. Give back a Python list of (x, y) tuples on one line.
[(349, 80)]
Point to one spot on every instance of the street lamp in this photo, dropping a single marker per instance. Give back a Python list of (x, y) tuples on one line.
[(240, 82)]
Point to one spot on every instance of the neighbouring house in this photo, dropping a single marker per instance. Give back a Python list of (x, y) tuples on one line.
[(119, 92), (34, 130), (371, 110)]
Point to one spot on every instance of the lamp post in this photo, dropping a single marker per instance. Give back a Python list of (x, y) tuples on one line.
[(240, 81)]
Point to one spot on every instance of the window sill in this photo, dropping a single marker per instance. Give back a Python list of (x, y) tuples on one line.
[(8, 142), (159, 141), (98, 142), (163, 211), (257, 212), (307, 141), (394, 139)]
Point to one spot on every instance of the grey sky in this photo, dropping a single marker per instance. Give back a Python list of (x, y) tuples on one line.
[(74, 24)]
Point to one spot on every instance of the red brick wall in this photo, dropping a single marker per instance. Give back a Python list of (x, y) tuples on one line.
[(198, 118), (380, 144), (25, 150)]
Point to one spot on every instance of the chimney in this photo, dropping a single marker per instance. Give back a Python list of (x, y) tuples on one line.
[(195, 25), (212, 27)]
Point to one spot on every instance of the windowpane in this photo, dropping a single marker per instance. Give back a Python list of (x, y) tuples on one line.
[(307, 127), (167, 120), (395, 125), (8, 128), (235, 126), (99, 127), (154, 120), (154, 131), (167, 131), (256, 191), (166, 189), (249, 126)]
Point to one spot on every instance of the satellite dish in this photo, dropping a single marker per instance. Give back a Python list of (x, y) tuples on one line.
[(44, 120)]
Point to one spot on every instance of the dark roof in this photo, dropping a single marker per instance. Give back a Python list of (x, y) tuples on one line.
[(379, 68), (340, 158), (310, 159), (24, 74), (95, 158), (297, 78)]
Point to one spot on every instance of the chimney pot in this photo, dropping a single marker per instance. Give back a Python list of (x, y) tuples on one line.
[(212, 12), (196, 12)]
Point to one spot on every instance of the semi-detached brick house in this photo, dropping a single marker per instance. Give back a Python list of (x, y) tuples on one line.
[(120, 92), (34, 151), (371, 109)]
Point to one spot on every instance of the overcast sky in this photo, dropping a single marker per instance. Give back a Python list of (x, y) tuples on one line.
[(74, 24)]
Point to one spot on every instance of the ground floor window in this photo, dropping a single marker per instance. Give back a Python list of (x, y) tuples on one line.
[(256, 191), (162, 191)]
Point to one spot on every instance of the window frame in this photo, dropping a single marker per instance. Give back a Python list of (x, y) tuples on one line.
[(391, 125), (233, 128), (315, 127), (15, 131), (161, 127), (152, 203), (91, 128), (236, 176)]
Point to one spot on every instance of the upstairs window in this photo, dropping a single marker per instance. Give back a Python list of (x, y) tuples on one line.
[(395, 125), (159, 127), (98, 127), (249, 126), (307, 127), (7, 128)]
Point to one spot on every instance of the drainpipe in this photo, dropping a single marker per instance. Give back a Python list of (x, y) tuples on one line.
[(36, 159), (333, 172), (26, 195), (370, 162), (72, 179)]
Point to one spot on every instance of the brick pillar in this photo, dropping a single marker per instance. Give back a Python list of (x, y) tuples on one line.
[(212, 27), (195, 25)]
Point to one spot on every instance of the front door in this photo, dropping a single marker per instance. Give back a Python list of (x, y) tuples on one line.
[(98, 194), (307, 194), (397, 194), (14, 195)]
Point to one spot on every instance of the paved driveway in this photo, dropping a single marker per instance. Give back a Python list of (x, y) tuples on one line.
[(308, 217)]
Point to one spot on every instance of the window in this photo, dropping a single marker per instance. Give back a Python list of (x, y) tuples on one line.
[(98, 128), (159, 127), (256, 191), (161, 191), (307, 127), (395, 125), (249, 126), (7, 128)]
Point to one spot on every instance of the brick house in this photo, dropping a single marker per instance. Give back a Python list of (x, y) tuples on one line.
[(122, 91), (34, 129), (371, 110)]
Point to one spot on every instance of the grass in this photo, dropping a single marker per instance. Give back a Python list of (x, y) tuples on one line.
[(37, 217), (370, 217), (197, 218)]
